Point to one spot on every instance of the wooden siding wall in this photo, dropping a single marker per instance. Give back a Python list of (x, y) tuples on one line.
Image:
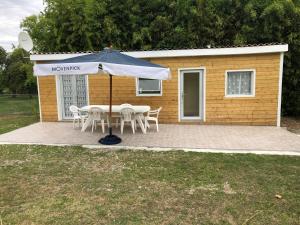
[(258, 110), (47, 90)]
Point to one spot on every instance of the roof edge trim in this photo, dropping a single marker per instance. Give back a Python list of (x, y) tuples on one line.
[(177, 53)]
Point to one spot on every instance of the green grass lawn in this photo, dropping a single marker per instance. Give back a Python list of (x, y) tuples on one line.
[(17, 112), (73, 185)]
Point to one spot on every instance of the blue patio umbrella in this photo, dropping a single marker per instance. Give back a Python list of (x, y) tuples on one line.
[(109, 61)]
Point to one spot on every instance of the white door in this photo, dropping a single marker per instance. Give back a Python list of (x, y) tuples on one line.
[(191, 94), (73, 92)]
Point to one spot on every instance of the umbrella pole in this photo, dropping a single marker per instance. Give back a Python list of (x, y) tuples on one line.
[(110, 139), (110, 104)]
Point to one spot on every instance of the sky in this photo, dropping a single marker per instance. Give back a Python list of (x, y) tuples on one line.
[(12, 12)]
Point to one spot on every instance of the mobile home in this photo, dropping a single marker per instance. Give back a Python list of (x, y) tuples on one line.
[(230, 85)]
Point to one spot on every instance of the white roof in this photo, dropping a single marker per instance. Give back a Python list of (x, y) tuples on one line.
[(176, 53)]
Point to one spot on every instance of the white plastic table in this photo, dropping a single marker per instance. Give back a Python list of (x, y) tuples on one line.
[(139, 110)]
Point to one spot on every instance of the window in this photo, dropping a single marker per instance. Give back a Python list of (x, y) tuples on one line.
[(240, 83), (148, 87)]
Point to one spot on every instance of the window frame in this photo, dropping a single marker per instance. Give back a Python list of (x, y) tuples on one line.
[(253, 81), (150, 94)]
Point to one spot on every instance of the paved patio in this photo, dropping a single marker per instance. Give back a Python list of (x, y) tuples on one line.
[(209, 137)]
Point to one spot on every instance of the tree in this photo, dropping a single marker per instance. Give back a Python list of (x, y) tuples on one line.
[(30, 85), (89, 25), (17, 74), (3, 56)]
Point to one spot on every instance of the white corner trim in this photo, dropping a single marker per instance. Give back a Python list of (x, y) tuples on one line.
[(58, 98), (177, 53), (253, 82), (280, 89), (39, 97)]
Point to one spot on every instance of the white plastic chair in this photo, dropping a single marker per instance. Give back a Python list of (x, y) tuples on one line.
[(127, 115), (152, 115), (97, 115), (77, 117), (117, 116)]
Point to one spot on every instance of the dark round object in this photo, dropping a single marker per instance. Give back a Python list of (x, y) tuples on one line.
[(110, 140)]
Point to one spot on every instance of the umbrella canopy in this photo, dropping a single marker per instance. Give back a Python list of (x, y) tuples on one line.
[(109, 61)]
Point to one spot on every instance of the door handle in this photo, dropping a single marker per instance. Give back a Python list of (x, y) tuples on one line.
[(182, 95)]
